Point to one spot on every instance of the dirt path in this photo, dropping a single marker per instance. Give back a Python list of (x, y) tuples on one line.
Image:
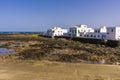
[(45, 70)]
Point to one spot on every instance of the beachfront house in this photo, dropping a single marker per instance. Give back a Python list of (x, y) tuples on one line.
[(79, 31), (82, 31), (113, 33), (99, 33), (56, 31)]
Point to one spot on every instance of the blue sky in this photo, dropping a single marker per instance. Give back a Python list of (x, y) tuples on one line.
[(39, 15)]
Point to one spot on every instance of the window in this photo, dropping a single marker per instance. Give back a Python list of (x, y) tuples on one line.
[(98, 31), (91, 35), (98, 35), (75, 31), (94, 36), (112, 30), (103, 36)]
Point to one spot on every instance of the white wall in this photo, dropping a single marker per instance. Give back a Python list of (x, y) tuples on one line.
[(79, 30), (56, 31), (117, 34), (94, 33), (103, 29), (111, 32)]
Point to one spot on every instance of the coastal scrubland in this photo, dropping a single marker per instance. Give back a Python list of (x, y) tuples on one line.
[(40, 58), (60, 49)]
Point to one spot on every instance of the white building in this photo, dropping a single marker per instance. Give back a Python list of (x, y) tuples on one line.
[(82, 31), (56, 31), (113, 33), (79, 31), (99, 33)]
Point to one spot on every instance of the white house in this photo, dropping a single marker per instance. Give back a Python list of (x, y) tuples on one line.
[(113, 33), (56, 31), (79, 31), (82, 31), (99, 33)]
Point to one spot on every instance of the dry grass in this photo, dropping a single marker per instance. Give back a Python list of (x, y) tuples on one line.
[(46, 70)]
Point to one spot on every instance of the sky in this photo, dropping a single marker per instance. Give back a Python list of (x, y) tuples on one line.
[(40, 15)]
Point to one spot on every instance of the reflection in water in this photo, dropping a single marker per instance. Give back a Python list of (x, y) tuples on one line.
[(6, 51)]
